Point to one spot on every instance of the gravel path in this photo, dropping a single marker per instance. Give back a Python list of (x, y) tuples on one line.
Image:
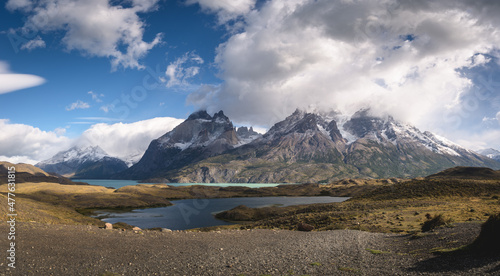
[(86, 250)]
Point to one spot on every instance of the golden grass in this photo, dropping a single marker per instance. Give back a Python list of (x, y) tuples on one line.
[(29, 210), (55, 188), (83, 196), (397, 216), (21, 167)]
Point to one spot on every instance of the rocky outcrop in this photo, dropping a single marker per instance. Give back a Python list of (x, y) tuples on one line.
[(305, 227)]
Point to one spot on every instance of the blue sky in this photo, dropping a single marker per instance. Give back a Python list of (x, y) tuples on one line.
[(70, 75), (98, 71)]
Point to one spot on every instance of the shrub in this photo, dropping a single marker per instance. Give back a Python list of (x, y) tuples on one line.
[(488, 240), (434, 222), (122, 225)]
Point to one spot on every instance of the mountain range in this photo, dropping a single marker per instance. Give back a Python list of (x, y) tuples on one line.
[(305, 147)]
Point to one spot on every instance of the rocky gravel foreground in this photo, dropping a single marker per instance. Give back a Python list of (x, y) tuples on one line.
[(87, 250)]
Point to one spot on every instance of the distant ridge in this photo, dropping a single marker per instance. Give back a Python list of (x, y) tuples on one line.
[(477, 173), (29, 173)]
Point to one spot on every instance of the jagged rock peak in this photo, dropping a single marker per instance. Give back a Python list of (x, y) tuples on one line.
[(218, 117), (367, 113), (201, 114), (245, 133), (220, 114), (298, 112)]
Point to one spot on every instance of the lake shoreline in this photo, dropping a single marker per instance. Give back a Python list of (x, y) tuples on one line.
[(201, 213)]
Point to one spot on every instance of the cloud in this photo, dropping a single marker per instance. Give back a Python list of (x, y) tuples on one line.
[(134, 137), (226, 10), (181, 70), (24, 143), (33, 44), (19, 5), (77, 105), (106, 108), (60, 131), (28, 144), (94, 27), (485, 139), (398, 57), (12, 82), (18, 159), (96, 97)]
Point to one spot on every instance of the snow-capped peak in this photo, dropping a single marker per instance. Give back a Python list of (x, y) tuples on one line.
[(80, 154), (490, 153)]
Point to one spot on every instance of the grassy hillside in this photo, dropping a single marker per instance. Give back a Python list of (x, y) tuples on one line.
[(399, 208), (29, 210), (29, 173)]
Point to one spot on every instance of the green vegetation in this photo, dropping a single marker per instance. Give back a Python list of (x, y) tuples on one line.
[(315, 264), (123, 225), (107, 273), (348, 269), (387, 206), (377, 252), (440, 250)]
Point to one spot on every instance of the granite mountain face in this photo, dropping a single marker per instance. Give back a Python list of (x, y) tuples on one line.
[(305, 147), (83, 162), (199, 137), (386, 147)]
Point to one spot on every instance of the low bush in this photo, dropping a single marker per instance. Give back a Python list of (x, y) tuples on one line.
[(434, 222)]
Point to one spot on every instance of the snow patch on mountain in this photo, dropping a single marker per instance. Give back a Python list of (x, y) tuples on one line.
[(80, 154), (490, 153)]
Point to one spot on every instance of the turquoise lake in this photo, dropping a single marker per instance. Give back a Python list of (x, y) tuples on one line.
[(121, 183)]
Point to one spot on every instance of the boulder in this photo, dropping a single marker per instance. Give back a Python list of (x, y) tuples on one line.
[(305, 227), (108, 226)]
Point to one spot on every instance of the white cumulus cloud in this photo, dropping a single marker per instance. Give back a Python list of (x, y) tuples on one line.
[(397, 57), (225, 9), (94, 27), (134, 138), (28, 144)]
